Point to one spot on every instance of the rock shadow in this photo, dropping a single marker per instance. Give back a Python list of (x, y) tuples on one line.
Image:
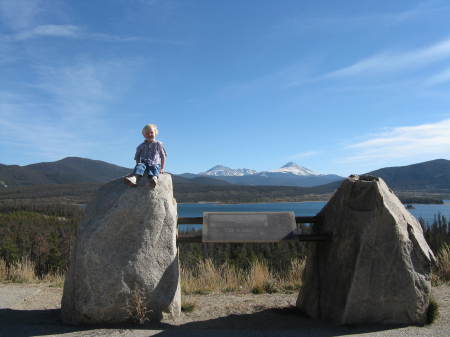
[(274, 322), (27, 323), (288, 321)]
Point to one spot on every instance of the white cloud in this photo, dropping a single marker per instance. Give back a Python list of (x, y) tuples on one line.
[(396, 61), (430, 140)]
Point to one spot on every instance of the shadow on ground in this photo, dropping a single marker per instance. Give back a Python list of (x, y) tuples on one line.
[(273, 322)]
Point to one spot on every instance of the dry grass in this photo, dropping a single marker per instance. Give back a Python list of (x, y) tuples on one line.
[(259, 276), (443, 264), (24, 272), (205, 277), (292, 280), (55, 279), (137, 307), (3, 271)]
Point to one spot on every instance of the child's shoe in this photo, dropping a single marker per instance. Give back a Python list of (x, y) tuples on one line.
[(155, 180), (131, 181)]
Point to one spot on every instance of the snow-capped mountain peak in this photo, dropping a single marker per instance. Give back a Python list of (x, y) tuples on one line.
[(296, 169), (220, 170)]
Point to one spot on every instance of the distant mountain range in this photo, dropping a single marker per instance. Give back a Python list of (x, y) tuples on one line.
[(430, 176), (75, 170), (70, 170), (290, 174)]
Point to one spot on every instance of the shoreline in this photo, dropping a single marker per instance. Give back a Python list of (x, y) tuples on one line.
[(284, 202), (247, 203)]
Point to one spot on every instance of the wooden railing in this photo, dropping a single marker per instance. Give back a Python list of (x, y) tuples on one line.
[(197, 237)]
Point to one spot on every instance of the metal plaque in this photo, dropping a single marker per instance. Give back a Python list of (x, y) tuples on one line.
[(247, 226)]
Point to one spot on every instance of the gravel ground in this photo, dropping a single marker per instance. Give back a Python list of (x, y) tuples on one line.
[(33, 310)]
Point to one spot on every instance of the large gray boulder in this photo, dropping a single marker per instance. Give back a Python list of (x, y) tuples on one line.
[(377, 268), (125, 256)]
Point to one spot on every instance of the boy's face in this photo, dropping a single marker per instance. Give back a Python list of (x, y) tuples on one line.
[(150, 134)]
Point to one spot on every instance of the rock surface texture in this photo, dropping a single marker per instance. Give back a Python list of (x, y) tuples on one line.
[(125, 246), (377, 268)]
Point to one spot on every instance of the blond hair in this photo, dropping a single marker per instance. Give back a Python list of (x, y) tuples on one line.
[(148, 127)]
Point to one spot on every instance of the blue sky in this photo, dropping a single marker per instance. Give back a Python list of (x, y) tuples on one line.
[(336, 86)]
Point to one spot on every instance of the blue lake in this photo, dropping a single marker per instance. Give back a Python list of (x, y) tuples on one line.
[(427, 212)]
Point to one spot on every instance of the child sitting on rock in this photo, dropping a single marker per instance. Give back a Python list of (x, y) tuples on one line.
[(150, 157)]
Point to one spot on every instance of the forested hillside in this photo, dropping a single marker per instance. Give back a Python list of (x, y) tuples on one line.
[(430, 176)]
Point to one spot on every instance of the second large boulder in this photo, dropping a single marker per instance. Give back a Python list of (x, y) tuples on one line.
[(377, 268)]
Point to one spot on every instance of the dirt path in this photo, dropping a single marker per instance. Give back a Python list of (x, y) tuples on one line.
[(33, 310)]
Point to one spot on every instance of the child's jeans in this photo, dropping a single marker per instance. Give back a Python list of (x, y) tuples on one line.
[(152, 170)]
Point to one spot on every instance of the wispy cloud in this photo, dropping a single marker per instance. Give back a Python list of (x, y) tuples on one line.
[(20, 14), (442, 77), (39, 139), (420, 10), (35, 134), (7, 53), (396, 61), (420, 141), (302, 155), (22, 17), (356, 22), (148, 2), (67, 121), (280, 79), (83, 89), (72, 32), (48, 30)]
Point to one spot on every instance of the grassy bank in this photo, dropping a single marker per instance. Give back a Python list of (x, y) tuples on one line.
[(206, 277), (24, 271)]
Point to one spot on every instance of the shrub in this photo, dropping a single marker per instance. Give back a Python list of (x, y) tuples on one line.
[(187, 306), (432, 311), (270, 287), (257, 290)]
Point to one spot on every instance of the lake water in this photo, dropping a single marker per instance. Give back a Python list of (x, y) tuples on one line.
[(309, 208)]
